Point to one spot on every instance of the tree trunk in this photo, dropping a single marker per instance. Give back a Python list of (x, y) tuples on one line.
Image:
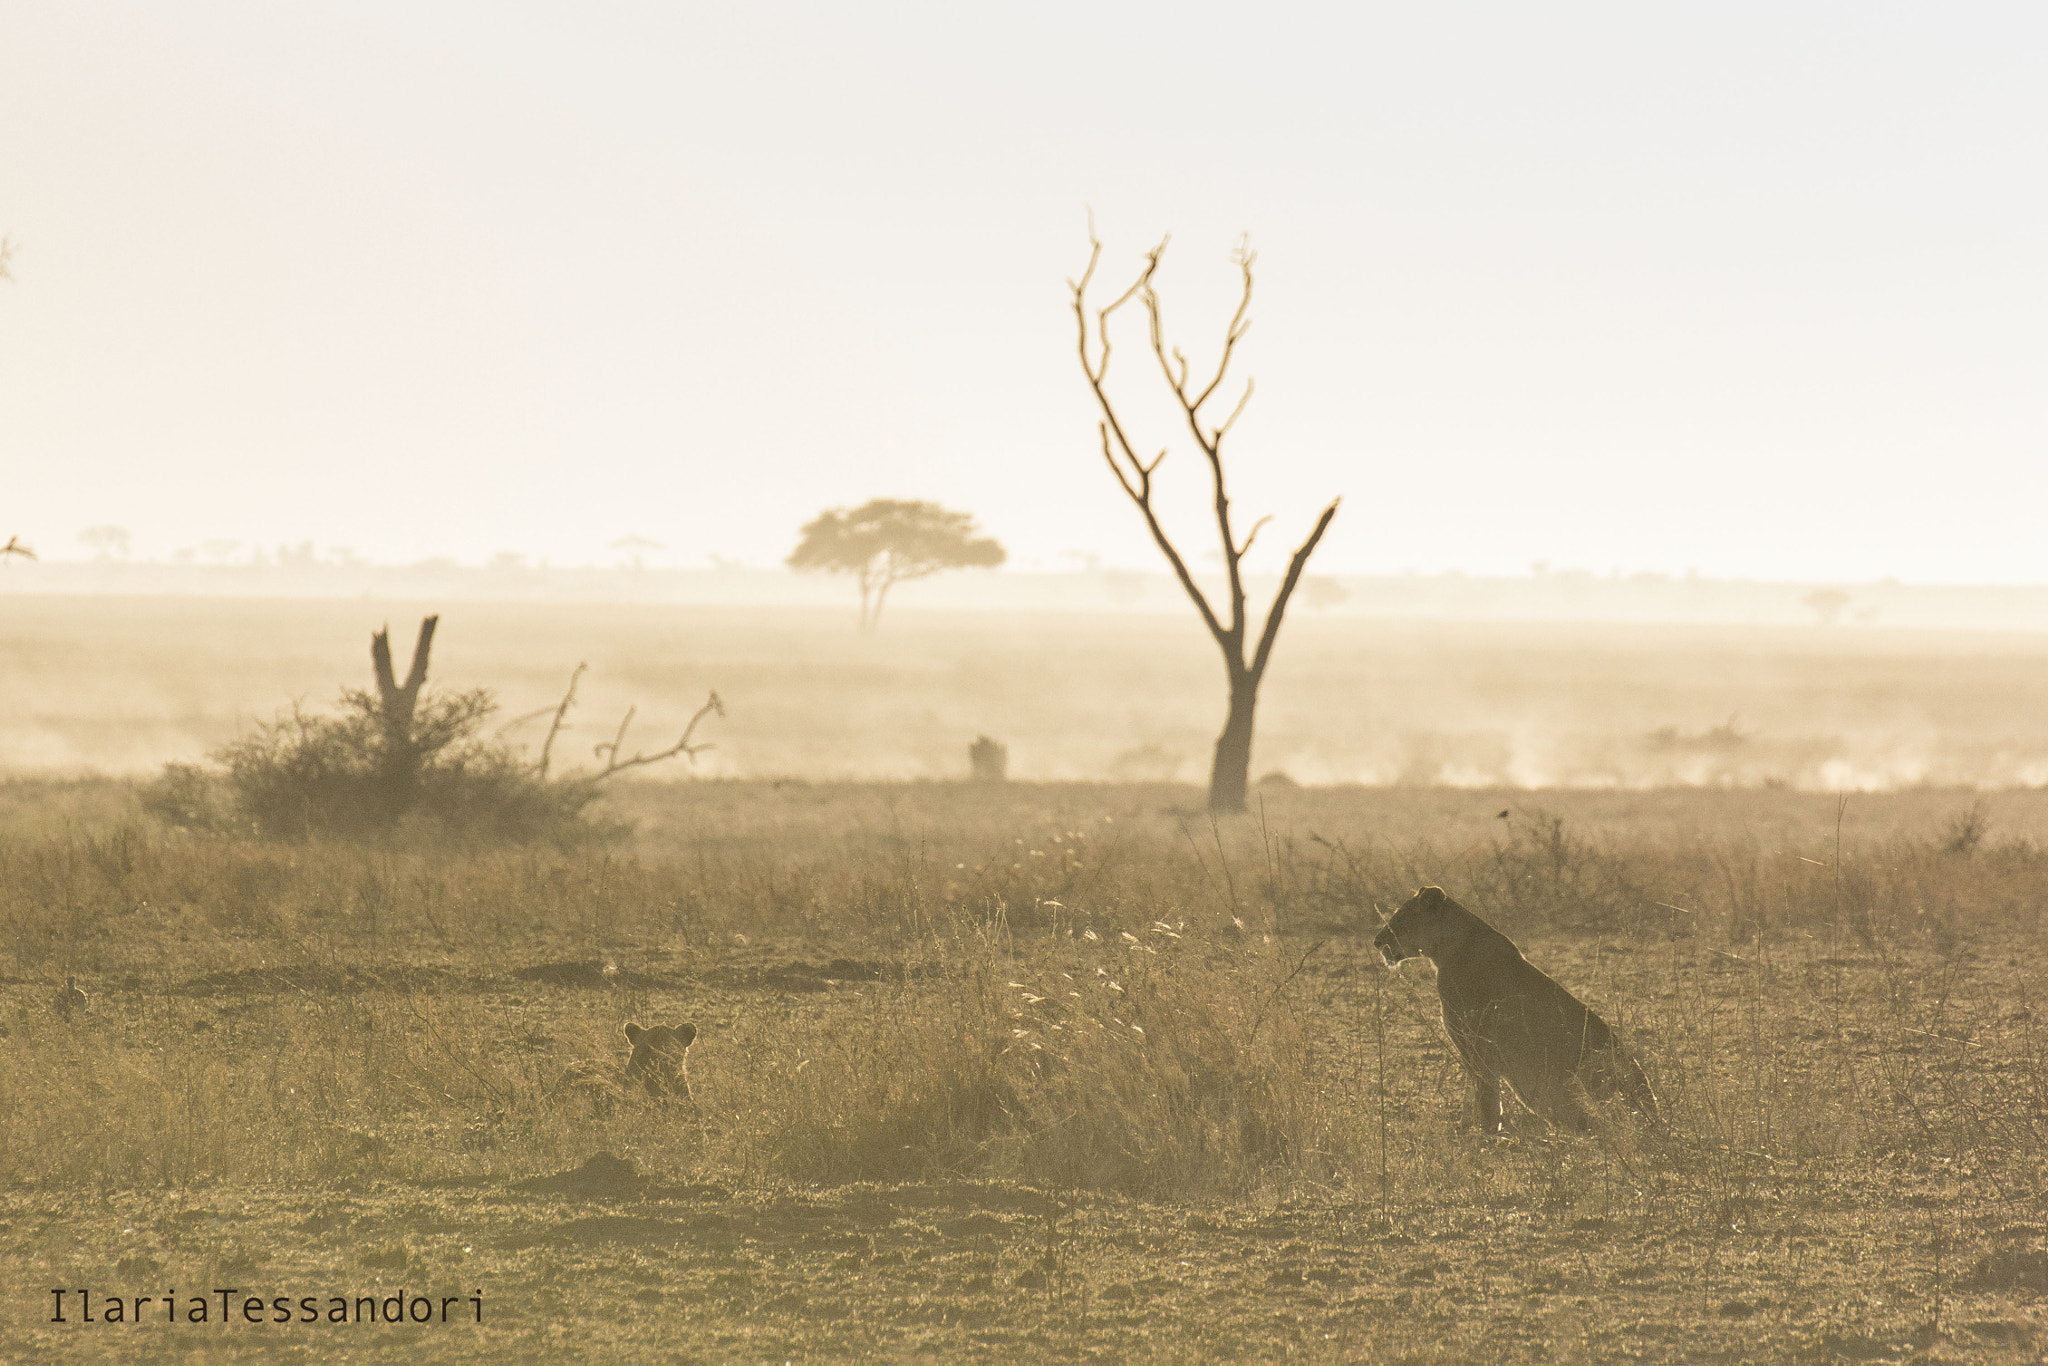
[(397, 702), (881, 592), (1232, 772), (988, 761)]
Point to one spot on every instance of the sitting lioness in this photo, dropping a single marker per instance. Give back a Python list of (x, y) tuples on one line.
[(661, 1059), (1509, 1020)]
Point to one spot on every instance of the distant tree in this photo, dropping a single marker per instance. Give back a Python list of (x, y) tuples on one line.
[(105, 541), (1826, 604), (1320, 591), (15, 547), (1230, 775), (888, 541), (6, 255), (634, 545)]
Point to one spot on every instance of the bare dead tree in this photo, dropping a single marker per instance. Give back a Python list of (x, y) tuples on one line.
[(1230, 774), (15, 547)]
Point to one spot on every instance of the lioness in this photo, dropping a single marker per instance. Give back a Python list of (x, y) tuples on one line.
[(661, 1059), (1509, 1020)]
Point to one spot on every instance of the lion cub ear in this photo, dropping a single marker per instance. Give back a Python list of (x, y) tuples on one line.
[(686, 1034), (633, 1033), (1432, 896)]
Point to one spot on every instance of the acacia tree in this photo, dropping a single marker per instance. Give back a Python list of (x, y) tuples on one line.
[(1230, 773), (887, 541)]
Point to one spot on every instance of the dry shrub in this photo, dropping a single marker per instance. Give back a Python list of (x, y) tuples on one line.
[(1157, 1065), (309, 774)]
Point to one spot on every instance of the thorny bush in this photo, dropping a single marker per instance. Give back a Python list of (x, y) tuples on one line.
[(309, 774)]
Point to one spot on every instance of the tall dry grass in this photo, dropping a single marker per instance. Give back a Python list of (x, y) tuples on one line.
[(1160, 1063), (1076, 987)]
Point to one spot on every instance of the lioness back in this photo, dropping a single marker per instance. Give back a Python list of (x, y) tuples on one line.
[(1509, 1020)]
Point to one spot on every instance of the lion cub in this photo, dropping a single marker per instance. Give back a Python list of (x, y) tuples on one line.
[(660, 1065), (1509, 1020), (661, 1059)]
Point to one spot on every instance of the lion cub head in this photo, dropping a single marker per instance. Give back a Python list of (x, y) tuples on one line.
[(1426, 924), (661, 1058)]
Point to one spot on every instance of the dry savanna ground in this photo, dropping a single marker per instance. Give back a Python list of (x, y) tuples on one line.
[(1026, 1072)]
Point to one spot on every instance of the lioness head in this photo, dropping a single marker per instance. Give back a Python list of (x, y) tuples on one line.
[(661, 1057), (1419, 927)]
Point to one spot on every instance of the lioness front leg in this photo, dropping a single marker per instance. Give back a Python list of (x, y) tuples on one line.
[(1488, 1088)]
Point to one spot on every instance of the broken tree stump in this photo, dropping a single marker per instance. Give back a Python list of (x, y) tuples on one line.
[(988, 761), (397, 703)]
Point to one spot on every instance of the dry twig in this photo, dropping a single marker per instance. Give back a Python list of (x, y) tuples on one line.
[(610, 752)]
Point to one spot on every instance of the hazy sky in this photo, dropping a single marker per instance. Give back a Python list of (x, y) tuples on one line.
[(1755, 288)]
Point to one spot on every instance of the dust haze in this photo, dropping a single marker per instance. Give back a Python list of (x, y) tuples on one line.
[(122, 685), (680, 683)]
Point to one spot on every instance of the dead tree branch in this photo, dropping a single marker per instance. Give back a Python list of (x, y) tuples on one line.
[(516, 722), (559, 724), (610, 752)]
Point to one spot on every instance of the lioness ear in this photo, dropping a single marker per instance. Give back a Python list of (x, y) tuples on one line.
[(1432, 896), (633, 1033), (686, 1034)]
